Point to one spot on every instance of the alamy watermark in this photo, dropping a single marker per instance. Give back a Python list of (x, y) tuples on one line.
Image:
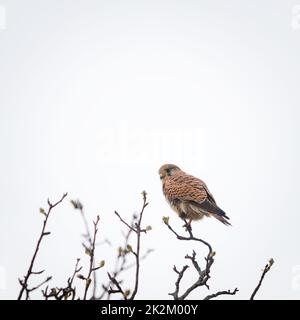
[(2, 18), (124, 144), (296, 277), (2, 278), (295, 22)]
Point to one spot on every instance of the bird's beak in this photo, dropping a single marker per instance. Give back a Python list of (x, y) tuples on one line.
[(161, 176)]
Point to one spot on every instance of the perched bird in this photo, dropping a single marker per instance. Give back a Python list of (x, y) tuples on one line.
[(189, 196)]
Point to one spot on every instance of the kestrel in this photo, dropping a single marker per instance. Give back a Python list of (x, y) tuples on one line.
[(189, 196)]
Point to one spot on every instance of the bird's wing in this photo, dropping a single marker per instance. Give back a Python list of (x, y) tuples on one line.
[(185, 187)]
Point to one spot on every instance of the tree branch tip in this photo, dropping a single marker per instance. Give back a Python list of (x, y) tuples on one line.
[(219, 293), (264, 272), (271, 262), (38, 272), (166, 220)]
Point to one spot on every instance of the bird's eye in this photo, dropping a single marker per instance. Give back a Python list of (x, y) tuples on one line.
[(168, 172)]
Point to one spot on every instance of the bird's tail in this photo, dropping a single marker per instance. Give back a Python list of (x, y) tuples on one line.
[(211, 209), (223, 218)]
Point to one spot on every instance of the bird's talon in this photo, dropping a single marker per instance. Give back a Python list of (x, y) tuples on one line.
[(187, 225)]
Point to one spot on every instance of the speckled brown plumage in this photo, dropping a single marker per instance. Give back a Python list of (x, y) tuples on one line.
[(189, 196)]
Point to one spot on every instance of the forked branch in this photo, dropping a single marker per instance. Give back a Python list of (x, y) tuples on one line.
[(203, 273), (135, 228), (24, 283)]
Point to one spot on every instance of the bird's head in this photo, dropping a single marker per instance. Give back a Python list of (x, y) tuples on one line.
[(167, 170)]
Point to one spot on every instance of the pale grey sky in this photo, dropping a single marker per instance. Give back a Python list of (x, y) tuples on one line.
[(97, 95)]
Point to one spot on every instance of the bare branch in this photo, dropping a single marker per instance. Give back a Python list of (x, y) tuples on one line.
[(117, 284), (121, 261), (137, 255), (39, 285), (214, 295), (24, 283), (143, 257), (79, 206), (137, 229), (126, 224), (191, 236), (203, 275), (91, 254), (175, 294), (37, 272), (195, 263), (265, 271), (63, 293)]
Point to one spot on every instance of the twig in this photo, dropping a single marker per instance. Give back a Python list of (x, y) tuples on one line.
[(119, 288), (143, 257), (265, 271), (203, 275), (136, 228), (39, 285), (126, 224), (63, 293), (24, 283), (137, 254), (76, 270), (79, 206), (121, 261), (91, 253), (228, 292), (120, 264), (191, 236), (177, 283)]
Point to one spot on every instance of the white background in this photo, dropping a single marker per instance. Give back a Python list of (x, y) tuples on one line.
[(97, 95)]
